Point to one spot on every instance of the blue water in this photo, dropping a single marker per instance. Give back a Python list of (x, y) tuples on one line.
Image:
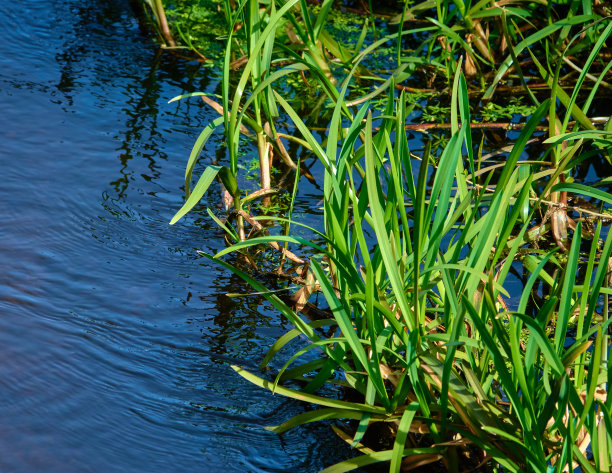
[(116, 338)]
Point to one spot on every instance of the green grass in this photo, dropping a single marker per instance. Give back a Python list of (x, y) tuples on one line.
[(427, 304), (417, 250)]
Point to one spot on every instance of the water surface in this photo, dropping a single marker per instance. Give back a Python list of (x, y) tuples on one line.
[(116, 338)]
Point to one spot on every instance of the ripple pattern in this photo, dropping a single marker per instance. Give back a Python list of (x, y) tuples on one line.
[(115, 336)]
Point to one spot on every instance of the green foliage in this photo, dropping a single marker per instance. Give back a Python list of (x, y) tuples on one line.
[(434, 113), (425, 318), (493, 112), (416, 253)]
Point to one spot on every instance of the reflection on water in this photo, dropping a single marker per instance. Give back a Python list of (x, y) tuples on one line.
[(115, 337)]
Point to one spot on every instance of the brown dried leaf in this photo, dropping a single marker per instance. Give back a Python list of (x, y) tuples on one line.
[(300, 298)]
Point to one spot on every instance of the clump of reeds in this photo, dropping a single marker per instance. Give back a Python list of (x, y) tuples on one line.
[(418, 249)]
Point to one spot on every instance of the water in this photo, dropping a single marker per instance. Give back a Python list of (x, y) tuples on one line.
[(116, 338)]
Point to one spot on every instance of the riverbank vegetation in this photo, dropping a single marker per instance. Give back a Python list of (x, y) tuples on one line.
[(463, 319)]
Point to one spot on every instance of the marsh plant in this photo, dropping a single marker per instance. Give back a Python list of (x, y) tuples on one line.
[(420, 337), (422, 327)]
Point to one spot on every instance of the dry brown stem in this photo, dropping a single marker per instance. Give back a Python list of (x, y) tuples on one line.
[(259, 227)]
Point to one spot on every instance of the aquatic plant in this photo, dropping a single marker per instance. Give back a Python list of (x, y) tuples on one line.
[(420, 321), (418, 249)]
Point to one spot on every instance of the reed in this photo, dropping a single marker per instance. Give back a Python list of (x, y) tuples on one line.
[(418, 250), (420, 317), (156, 7)]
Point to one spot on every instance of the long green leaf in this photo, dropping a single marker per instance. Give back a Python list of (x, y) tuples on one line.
[(199, 190), (316, 416), (381, 232), (534, 38), (301, 396), (400, 437), (377, 457), (583, 189)]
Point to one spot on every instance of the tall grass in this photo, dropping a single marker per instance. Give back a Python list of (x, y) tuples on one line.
[(422, 325), (418, 249)]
